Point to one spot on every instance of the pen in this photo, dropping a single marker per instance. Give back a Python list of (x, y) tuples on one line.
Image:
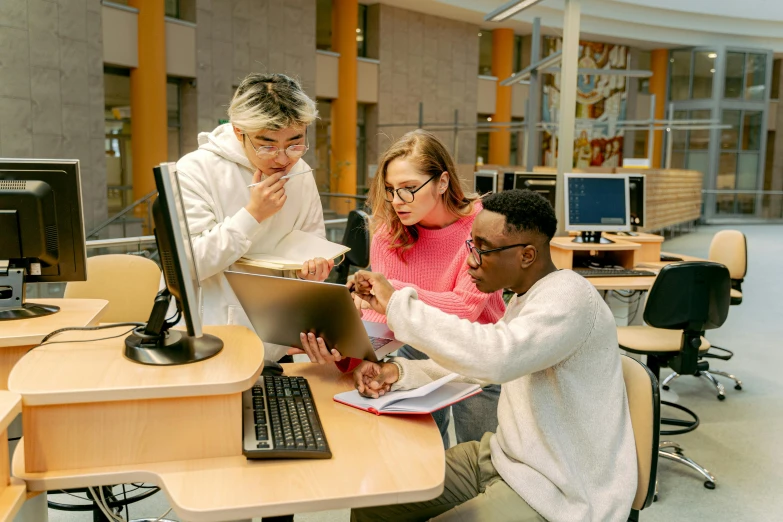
[(287, 176)]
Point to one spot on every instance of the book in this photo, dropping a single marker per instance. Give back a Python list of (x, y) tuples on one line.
[(293, 250), (434, 396)]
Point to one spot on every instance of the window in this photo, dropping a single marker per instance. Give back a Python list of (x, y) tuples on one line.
[(323, 146), (755, 76), (362, 184), (482, 142), (361, 32), (485, 52), (703, 72), (679, 86), (517, 53), (775, 91), (323, 25), (173, 113), (735, 71), (738, 167), (517, 135), (172, 8)]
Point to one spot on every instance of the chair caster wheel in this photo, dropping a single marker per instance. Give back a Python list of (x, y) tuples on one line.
[(721, 397), (665, 387), (709, 484), (738, 387), (655, 498)]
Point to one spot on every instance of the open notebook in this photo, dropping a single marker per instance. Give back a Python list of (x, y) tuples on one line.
[(293, 250), (431, 397)]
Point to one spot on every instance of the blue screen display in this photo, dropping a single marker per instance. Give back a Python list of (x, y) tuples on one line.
[(597, 201)]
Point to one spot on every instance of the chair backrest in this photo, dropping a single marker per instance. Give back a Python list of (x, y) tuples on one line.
[(692, 296), (357, 237), (730, 248), (644, 403), (128, 282)]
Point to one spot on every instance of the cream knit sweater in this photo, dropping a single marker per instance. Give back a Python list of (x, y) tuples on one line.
[(564, 440)]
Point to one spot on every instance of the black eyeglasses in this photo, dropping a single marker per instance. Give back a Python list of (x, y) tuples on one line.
[(406, 195), (476, 252)]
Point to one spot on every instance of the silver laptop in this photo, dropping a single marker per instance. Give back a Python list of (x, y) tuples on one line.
[(280, 308)]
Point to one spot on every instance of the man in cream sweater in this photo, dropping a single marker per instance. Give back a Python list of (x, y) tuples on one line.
[(564, 449)]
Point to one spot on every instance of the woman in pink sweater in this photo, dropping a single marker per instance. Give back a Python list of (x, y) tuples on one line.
[(421, 219)]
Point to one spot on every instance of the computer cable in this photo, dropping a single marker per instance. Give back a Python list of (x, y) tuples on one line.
[(85, 328)]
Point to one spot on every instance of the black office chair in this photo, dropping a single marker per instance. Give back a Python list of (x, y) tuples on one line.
[(357, 237), (685, 300)]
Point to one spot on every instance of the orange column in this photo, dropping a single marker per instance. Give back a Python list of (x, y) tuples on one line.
[(658, 82), (345, 20), (502, 65), (149, 120)]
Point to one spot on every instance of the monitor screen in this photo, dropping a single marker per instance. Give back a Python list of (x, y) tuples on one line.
[(542, 183), (485, 182), (597, 202), (176, 248)]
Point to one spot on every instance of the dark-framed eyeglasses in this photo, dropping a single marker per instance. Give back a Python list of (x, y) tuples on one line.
[(270, 151), (406, 195), (476, 252)]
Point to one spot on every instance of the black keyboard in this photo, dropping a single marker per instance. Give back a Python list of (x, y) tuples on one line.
[(279, 421), (379, 342), (611, 272), (665, 257)]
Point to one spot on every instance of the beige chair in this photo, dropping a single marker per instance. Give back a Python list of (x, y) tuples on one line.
[(128, 282), (729, 248), (645, 406)]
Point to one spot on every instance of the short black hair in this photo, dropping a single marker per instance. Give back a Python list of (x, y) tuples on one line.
[(524, 210)]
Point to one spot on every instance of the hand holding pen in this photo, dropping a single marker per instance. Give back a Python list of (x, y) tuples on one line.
[(287, 176), (267, 196)]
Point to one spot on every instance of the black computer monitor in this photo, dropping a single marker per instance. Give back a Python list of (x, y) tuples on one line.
[(156, 343), (596, 203), (544, 184), (637, 194), (485, 181), (41, 231)]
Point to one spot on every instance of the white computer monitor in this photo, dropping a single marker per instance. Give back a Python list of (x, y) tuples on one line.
[(485, 181), (596, 203)]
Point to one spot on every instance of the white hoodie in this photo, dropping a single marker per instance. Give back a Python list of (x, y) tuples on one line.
[(214, 182)]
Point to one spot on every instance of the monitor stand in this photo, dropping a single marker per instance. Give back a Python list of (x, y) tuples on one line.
[(156, 344), (592, 237), (12, 296)]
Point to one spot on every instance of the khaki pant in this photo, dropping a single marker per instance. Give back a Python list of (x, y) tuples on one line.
[(473, 491)]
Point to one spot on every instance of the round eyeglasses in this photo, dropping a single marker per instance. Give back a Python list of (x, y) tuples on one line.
[(269, 151), (476, 252), (406, 195)]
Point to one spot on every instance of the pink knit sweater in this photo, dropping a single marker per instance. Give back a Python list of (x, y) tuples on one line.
[(435, 267)]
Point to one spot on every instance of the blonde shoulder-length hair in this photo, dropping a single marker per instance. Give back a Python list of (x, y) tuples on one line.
[(430, 157)]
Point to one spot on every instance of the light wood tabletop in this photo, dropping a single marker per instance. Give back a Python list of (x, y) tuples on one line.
[(73, 312), (97, 371), (12, 491), (376, 460)]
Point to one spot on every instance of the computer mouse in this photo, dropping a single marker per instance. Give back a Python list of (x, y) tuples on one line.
[(271, 369)]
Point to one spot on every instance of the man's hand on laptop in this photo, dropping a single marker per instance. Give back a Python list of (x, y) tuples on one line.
[(374, 379), (316, 269), (372, 288), (316, 349)]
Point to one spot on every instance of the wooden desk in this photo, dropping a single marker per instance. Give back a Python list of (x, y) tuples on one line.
[(18, 336), (12, 490), (159, 425), (650, 245)]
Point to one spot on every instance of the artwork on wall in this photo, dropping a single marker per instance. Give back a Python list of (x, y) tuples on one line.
[(601, 99)]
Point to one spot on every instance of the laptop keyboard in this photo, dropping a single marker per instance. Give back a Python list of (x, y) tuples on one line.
[(379, 342)]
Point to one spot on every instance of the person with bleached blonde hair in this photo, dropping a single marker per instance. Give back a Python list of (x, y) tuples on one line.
[(264, 141)]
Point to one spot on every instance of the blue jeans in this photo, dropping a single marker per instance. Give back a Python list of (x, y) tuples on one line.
[(473, 417)]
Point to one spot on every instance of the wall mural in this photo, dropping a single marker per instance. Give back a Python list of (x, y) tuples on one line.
[(599, 98)]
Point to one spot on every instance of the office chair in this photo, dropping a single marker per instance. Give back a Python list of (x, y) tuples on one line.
[(128, 282), (357, 237), (685, 300), (729, 248), (644, 404)]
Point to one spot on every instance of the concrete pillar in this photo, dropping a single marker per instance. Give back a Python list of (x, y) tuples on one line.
[(149, 125), (345, 19), (502, 68), (658, 82)]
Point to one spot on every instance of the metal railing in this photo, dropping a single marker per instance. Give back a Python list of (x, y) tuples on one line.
[(745, 205), (145, 200)]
